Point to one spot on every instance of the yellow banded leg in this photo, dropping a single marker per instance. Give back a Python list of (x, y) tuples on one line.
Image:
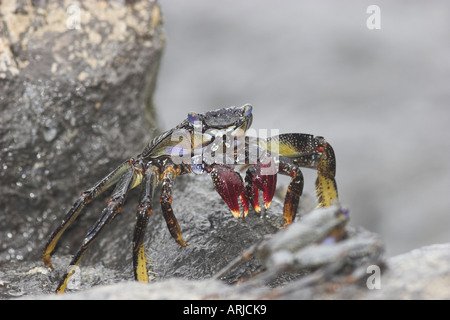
[(169, 176), (112, 209), (294, 190), (311, 152), (151, 179), (140, 271), (86, 197), (326, 187), (63, 284), (54, 238)]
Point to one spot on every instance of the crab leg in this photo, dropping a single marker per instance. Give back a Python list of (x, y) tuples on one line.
[(305, 150), (150, 181), (326, 187), (129, 179), (85, 198), (294, 190), (169, 175)]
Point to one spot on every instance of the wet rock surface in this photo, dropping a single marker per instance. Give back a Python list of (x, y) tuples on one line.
[(76, 100), (76, 86), (215, 237), (423, 273), (188, 273)]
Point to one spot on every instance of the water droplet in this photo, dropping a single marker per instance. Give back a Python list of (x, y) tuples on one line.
[(197, 168), (50, 134)]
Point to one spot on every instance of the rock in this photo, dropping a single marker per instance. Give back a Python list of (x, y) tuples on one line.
[(420, 274), (215, 237), (76, 86), (76, 101)]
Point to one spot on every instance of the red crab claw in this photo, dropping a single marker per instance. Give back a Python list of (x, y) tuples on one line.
[(252, 192), (263, 177), (230, 186)]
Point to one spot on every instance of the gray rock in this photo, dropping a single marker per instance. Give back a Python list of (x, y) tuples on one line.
[(76, 101), (215, 237), (76, 86), (420, 274)]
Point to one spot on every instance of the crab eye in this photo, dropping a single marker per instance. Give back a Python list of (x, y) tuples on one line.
[(247, 110), (193, 117)]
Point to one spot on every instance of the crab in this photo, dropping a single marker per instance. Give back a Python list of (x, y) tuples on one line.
[(213, 143)]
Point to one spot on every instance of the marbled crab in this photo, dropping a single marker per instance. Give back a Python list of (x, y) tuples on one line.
[(214, 143)]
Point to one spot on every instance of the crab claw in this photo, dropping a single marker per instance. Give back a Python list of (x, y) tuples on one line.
[(267, 184), (230, 186), (261, 177), (252, 192)]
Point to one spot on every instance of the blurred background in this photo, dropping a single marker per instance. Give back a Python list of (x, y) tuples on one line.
[(380, 97)]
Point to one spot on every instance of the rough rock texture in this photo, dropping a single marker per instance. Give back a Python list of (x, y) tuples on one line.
[(215, 237), (423, 273), (76, 85), (420, 274)]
